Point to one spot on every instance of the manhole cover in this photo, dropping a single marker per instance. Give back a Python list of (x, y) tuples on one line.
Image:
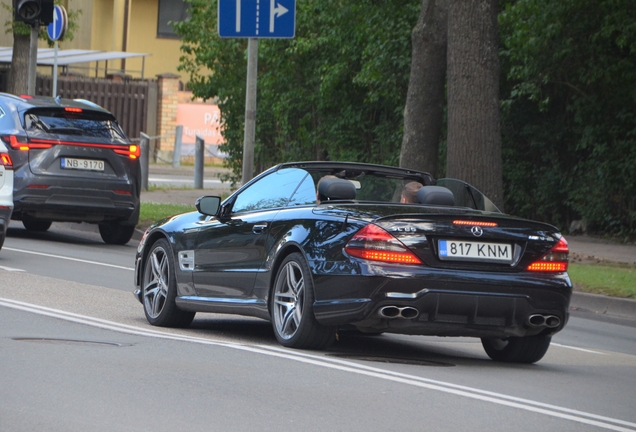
[(70, 341), (392, 360)]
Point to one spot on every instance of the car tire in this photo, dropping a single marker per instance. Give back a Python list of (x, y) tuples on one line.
[(36, 225), (115, 233), (291, 303), (159, 289), (529, 349)]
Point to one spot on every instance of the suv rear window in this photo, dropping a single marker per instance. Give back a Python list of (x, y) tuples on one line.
[(85, 123)]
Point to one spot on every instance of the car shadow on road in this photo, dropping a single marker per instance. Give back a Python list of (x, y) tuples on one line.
[(51, 236)]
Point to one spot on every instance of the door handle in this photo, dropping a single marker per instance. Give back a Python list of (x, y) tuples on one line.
[(259, 228)]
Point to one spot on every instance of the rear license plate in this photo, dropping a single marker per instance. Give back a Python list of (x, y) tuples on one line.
[(475, 251), (83, 164)]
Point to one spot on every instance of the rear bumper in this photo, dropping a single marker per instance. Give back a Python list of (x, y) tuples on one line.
[(75, 204), (484, 305)]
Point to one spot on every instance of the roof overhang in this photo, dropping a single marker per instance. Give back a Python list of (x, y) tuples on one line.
[(46, 56)]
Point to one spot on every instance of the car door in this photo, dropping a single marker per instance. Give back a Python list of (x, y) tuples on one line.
[(230, 251)]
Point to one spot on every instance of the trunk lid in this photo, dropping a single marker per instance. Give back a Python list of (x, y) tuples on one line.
[(77, 144)]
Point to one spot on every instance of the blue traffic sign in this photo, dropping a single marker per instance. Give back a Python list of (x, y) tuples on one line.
[(257, 18), (57, 28)]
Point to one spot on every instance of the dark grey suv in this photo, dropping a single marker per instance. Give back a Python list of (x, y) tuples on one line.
[(72, 163)]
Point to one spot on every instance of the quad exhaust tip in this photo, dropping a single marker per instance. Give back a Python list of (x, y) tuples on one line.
[(406, 312), (540, 320)]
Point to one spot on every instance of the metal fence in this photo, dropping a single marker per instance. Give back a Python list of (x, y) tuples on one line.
[(130, 101)]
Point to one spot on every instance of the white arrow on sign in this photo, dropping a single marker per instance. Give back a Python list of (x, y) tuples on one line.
[(275, 11)]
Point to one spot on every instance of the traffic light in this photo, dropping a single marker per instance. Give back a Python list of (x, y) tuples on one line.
[(33, 11)]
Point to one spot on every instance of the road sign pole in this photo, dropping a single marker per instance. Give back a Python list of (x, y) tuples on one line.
[(55, 71), (250, 110), (56, 31), (254, 20)]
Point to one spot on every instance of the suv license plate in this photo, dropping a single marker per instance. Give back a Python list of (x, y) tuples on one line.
[(475, 251), (83, 164)]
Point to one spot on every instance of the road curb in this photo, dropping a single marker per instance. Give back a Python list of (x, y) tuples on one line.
[(604, 305)]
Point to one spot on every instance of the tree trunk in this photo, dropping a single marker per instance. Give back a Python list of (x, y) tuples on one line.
[(424, 110), (474, 132), (18, 80)]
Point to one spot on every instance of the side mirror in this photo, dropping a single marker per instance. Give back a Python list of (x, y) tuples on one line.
[(208, 205)]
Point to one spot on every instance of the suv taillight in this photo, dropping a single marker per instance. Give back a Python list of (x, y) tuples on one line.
[(22, 144), (6, 161), (133, 151), (375, 244), (556, 260)]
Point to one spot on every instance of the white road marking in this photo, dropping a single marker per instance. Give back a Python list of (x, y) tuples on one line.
[(346, 366), (11, 269), (69, 258), (577, 349)]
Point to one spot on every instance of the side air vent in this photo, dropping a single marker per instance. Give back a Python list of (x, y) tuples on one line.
[(186, 260)]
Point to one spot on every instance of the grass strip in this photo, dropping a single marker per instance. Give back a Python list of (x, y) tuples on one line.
[(608, 279), (151, 212)]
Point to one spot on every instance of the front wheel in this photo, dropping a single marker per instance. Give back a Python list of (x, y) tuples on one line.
[(159, 289), (292, 299), (529, 349), (114, 233)]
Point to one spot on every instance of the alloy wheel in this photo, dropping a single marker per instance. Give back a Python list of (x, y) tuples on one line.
[(155, 287), (289, 297)]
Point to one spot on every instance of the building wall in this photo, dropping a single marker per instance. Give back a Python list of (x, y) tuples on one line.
[(101, 28), (142, 37)]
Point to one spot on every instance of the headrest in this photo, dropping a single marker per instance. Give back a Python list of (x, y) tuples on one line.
[(336, 189), (435, 195)]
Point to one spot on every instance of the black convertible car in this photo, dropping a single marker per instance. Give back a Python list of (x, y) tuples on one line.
[(320, 247)]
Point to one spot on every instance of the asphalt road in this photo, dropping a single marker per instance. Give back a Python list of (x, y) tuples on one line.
[(79, 355)]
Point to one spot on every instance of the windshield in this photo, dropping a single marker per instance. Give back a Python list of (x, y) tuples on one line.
[(87, 124)]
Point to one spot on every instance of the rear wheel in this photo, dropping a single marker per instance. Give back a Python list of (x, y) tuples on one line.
[(529, 349), (159, 289), (292, 307), (115, 233), (36, 225)]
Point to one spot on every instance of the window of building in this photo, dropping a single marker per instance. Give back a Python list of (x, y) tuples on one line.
[(170, 10)]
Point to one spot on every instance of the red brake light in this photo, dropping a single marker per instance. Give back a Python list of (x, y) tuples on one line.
[(133, 151), (71, 109), (556, 260), (5, 160), (375, 244), (475, 223), (21, 144)]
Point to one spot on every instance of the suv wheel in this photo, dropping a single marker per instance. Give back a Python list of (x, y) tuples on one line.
[(116, 233), (36, 225)]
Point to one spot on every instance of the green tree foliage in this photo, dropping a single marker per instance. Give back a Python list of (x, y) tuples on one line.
[(569, 120), (336, 91)]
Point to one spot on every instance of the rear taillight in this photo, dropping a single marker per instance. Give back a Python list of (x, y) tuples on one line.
[(20, 143), (375, 244), (554, 261), (133, 151), (6, 161)]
